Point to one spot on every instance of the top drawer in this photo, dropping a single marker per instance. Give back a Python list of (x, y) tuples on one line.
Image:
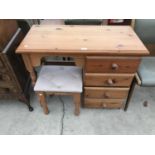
[(111, 64)]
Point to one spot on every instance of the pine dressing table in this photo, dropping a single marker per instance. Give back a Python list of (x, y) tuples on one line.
[(109, 55)]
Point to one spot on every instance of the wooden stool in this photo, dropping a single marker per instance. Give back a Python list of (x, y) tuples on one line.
[(59, 80)]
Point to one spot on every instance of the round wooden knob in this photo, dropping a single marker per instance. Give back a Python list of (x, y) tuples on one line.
[(107, 95), (110, 81), (14, 90), (6, 77), (104, 105), (114, 66)]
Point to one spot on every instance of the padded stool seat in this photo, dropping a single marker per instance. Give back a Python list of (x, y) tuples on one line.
[(146, 71), (59, 80)]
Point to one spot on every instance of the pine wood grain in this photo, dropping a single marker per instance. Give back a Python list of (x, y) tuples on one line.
[(105, 93), (83, 40), (111, 64), (103, 103), (110, 80)]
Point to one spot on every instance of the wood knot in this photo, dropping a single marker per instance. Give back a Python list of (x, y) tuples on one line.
[(120, 45), (58, 28), (85, 39), (130, 35)]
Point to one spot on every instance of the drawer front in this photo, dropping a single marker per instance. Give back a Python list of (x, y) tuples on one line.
[(9, 90), (111, 65), (1, 63), (110, 80), (105, 93), (3, 68), (104, 103), (5, 78)]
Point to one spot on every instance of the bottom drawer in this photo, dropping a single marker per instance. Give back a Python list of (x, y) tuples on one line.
[(104, 103), (105, 92), (8, 90)]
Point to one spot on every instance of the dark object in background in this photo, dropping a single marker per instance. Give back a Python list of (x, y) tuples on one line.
[(14, 79), (7, 30), (24, 26), (119, 21), (83, 21), (145, 104)]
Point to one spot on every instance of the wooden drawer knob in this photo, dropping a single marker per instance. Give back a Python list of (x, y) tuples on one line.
[(114, 66), (6, 77), (107, 95), (14, 90), (110, 81), (104, 105)]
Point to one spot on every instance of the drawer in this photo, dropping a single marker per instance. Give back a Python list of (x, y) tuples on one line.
[(8, 90), (105, 93), (110, 80), (1, 63), (3, 68), (111, 65), (104, 103), (5, 77)]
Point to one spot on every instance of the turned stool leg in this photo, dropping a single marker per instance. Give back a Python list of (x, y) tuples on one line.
[(77, 102), (43, 102)]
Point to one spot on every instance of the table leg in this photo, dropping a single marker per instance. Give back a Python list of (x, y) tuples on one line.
[(79, 61), (77, 102), (29, 68)]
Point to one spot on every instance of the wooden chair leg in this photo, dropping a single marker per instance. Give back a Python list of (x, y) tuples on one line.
[(77, 102), (43, 102)]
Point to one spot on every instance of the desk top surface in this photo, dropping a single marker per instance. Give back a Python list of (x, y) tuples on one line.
[(82, 40)]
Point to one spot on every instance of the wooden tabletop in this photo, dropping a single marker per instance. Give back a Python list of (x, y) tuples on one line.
[(82, 40)]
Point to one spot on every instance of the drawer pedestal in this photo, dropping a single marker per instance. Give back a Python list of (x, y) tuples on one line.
[(107, 81)]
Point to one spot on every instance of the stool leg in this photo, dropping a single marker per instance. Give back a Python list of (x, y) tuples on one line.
[(77, 102), (43, 102)]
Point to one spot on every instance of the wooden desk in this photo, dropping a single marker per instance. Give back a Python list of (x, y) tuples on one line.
[(109, 55)]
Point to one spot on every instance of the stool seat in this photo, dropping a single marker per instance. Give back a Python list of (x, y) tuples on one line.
[(59, 79), (146, 71)]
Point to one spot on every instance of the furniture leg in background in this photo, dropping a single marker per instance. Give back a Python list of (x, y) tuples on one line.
[(14, 79), (145, 77), (130, 94)]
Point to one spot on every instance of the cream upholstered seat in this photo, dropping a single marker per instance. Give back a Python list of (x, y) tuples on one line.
[(59, 79)]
